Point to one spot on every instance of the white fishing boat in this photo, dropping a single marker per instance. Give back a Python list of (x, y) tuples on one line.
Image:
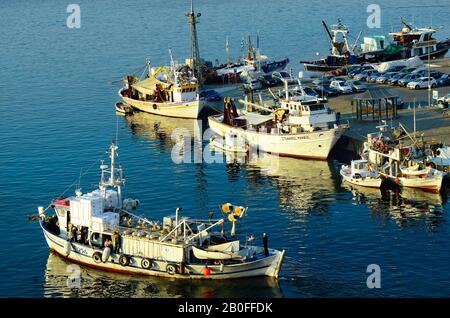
[(101, 230), (298, 126), (432, 181), (173, 93), (361, 173)]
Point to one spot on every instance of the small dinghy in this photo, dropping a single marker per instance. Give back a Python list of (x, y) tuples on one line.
[(360, 173), (231, 143), (123, 108), (416, 170)]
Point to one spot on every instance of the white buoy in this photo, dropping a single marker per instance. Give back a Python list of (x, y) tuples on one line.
[(106, 254), (67, 248)]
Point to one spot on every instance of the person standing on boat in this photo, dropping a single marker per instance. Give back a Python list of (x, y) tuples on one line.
[(116, 242), (266, 244)]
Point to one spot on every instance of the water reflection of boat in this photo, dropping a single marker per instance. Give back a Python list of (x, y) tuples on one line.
[(302, 184), (156, 127), (106, 284)]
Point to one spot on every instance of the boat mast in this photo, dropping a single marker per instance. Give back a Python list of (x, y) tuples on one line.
[(197, 66), (112, 182)]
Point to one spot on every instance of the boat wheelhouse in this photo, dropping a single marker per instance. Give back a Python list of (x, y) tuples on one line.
[(100, 229)]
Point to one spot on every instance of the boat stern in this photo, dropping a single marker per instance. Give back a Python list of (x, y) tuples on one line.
[(274, 269)]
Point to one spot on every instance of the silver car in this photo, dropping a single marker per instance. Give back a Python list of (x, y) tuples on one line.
[(385, 77)]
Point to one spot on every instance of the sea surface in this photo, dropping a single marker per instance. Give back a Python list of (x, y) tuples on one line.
[(57, 119)]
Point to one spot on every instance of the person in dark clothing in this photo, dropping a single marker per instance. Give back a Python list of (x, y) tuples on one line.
[(116, 242), (266, 244), (83, 235), (74, 233)]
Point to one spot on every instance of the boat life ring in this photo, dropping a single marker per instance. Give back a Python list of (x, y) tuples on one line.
[(171, 269), (124, 260), (155, 107), (146, 263), (97, 256)]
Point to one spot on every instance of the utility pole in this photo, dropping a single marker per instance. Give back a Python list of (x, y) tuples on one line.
[(197, 65)]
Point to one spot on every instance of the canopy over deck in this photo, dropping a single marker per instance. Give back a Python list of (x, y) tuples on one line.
[(148, 85)]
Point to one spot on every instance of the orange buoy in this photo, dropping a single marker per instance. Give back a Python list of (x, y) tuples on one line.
[(397, 180), (207, 271)]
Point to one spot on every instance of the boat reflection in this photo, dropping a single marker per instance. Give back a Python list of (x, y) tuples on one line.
[(406, 207), (304, 186), (155, 127), (96, 283)]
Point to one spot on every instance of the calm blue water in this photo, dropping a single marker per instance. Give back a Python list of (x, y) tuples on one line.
[(57, 117)]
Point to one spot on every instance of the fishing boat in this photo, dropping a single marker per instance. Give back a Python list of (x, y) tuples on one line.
[(431, 181), (101, 230), (401, 164), (298, 126), (360, 173), (409, 42), (123, 108), (342, 53), (173, 93)]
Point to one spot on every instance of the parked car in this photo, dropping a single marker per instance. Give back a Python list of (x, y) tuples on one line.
[(359, 69), (210, 95), (326, 90), (363, 75), (269, 81), (341, 86), (444, 101), (321, 81), (253, 85), (309, 91), (422, 82), (435, 74), (357, 86), (444, 80), (394, 79), (373, 77), (383, 78), (287, 77), (408, 78)]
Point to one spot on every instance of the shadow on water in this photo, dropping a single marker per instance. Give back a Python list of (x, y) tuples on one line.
[(96, 283)]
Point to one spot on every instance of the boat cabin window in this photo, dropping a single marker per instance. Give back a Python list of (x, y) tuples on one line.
[(316, 107)]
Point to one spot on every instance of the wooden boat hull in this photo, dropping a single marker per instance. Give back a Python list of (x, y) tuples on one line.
[(432, 184), (180, 110), (314, 145), (82, 254)]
